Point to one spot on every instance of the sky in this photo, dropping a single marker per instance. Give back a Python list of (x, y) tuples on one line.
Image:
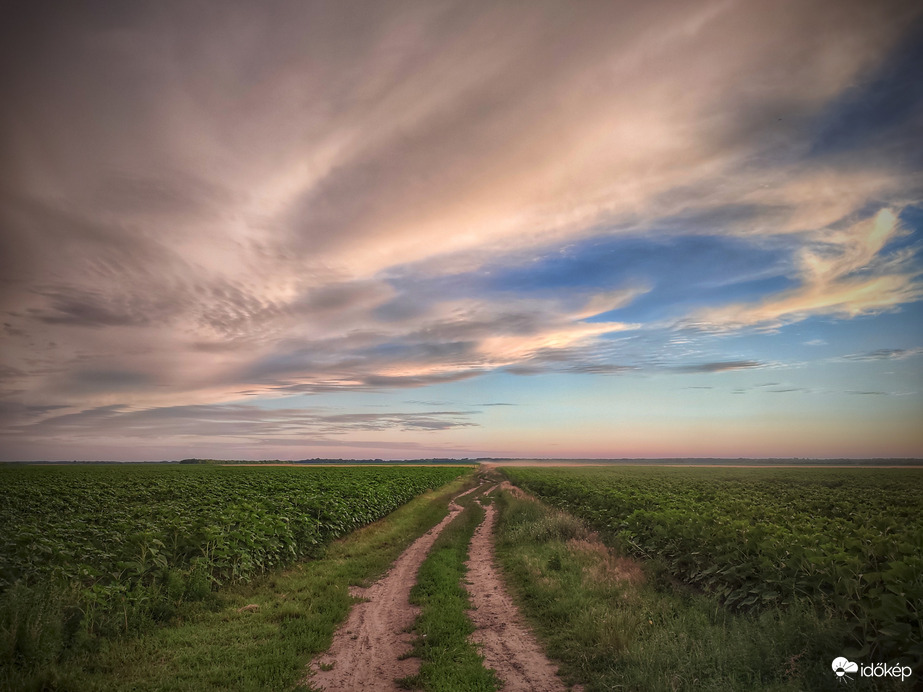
[(429, 228)]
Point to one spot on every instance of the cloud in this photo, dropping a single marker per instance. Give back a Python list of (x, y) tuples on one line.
[(213, 200), (610, 300), (88, 381), (406, 446), (720, 366), (600, 368), (554, 130), (842, 272), (880, 114), (886, 354), (511, 348), (71, 306), (463, 339), (236, 421), (341, 297)]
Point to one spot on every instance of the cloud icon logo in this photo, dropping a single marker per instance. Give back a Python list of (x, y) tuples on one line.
[(841, 666)]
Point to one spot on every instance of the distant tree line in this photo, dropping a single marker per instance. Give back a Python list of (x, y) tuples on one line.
[(319, 460)]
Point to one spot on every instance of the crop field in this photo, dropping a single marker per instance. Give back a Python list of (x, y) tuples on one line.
[(227, 576), (846, 542), (102, 550)]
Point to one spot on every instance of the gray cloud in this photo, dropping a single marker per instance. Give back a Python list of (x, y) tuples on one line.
[(177, 195), (232, 421), (432, 420), (7, 372), (886, 354), (87, 381), (408, 446), (525, 369), (72, 306), (343, 296), (424, 402), (232, 311), (600, 368), (719, 366), (586, 361), (381, 381)]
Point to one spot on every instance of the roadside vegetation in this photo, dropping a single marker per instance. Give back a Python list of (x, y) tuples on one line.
[(612, 622), (93, 558), (844, 543), (449, 661), (624, 614)]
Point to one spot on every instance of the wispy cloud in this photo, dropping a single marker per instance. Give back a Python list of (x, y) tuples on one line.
[(886, 354), (841, 272), (237, 421), (208, 202), (721, 366)]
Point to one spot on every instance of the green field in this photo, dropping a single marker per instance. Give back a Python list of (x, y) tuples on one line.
[(92, 552), (847, 543), (229, 577)]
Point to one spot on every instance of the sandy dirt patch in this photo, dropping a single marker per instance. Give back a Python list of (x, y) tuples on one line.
[(366, 650), (506, 643)]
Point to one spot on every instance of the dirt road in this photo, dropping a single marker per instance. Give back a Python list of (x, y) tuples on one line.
[(366, 651)]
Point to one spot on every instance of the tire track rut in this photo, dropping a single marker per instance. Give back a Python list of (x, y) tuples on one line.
[(366, 650), (507, 645)]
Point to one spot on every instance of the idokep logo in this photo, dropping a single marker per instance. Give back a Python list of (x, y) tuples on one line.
[(842, 667)]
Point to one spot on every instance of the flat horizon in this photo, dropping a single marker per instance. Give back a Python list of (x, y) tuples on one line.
[(898, 462)]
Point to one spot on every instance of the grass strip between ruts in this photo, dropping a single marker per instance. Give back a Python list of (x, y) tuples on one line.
[(258, 636), (449, 661)]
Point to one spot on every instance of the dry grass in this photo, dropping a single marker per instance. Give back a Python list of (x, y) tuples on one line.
[(602, 565)]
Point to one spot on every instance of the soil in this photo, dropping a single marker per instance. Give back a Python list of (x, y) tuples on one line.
[(366, 651), (505, 642)]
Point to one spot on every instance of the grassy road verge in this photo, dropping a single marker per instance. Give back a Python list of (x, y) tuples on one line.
[(259, 636), (613, 623)]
